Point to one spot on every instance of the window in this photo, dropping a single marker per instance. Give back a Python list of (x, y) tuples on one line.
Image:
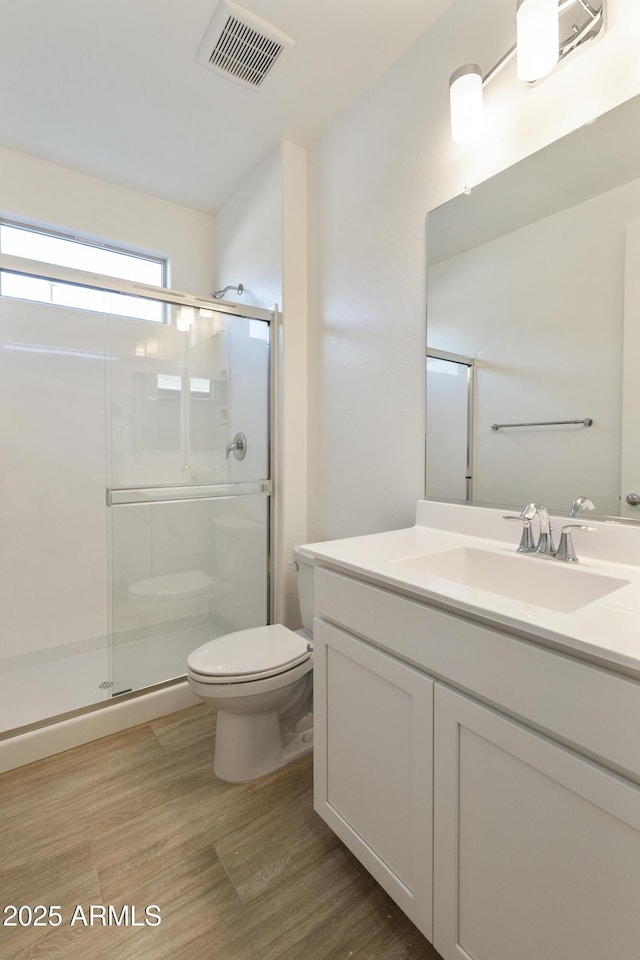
[(170, 384), (64, 251)]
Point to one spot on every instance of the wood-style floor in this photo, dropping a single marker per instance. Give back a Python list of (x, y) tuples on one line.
[(239, 872)]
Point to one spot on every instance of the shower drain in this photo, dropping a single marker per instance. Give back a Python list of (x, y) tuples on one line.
[(111, 685)]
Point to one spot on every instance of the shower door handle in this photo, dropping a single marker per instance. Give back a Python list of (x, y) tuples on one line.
[(237, 446)]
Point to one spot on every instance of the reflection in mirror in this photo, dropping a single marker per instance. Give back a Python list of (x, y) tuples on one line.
[(449, 424), (533, 277)]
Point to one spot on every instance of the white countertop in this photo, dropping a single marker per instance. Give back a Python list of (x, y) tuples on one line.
[(606, 630)]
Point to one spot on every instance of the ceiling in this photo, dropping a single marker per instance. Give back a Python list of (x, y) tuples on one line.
[(112, 88)]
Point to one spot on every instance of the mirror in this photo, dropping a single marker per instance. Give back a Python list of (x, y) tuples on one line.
[(532, 307)]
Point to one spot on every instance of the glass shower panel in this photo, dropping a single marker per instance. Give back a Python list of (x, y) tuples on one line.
[(181, 389), (54, 653), (98, 599), (189, 519), (184, 572)]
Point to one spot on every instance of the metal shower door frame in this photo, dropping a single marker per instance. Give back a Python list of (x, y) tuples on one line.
[(470, 364)]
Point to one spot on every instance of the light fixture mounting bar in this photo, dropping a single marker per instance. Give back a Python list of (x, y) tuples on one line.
[(587, 8), (497, 67)]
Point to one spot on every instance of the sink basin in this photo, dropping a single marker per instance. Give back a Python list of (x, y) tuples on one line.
[(545, 583)]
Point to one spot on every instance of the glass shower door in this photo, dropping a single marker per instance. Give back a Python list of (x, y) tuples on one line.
[(53, 596), (188, 500)]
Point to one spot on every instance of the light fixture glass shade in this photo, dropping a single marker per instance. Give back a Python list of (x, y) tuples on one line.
[(467, 107), (186, 316), (537, 38)]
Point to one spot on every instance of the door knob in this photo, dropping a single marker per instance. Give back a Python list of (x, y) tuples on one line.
[(633, 499)]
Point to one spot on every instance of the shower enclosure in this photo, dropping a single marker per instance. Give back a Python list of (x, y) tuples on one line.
[(135, 525)]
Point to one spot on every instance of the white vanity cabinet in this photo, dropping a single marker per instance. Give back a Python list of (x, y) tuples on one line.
[(536, 850), (374, 764), (533, 843)]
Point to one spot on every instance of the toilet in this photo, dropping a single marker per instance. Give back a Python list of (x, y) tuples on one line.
[(260, 681), (172, 596)]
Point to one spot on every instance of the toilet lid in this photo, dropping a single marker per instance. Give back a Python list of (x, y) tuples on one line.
[(190, 583), (249, 654)]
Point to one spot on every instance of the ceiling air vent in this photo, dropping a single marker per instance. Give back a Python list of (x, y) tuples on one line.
[(239, 45)]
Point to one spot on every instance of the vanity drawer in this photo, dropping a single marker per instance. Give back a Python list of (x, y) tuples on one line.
[(585, 706)]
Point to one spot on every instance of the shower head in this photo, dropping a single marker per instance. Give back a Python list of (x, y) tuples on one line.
[(219, 294)]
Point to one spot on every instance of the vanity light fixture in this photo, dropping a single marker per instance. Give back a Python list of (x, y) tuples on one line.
[(537, 38), (547, 31), (186, 316), (466, 103)]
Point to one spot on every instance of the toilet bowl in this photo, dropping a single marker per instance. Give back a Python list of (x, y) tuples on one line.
[(260, 681), (172, 596)]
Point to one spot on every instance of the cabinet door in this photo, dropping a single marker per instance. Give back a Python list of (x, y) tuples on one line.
[(536, 849), (373, 756)]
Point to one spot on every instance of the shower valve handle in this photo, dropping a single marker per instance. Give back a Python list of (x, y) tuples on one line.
[(237, 446)]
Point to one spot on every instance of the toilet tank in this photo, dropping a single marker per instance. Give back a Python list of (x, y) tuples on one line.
[(304, 562), (238, 549)]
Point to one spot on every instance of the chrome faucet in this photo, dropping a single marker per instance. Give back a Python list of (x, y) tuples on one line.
[(545, 540), (580, 504), (527, 514), (565, 549), (544, 545)]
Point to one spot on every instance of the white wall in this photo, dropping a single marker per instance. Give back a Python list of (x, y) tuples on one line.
[(262, 243), (249, 232), (56, 197), (293, 413), (373, 177)]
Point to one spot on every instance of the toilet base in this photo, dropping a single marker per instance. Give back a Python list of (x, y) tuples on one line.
[(251, 746)]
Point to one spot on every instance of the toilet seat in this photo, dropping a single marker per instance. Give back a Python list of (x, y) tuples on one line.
[(247, 655)]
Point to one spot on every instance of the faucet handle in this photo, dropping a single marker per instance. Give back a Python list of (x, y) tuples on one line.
[(580, 504), (526, 541), (530, 510), (545, 547), (237, 446), (565, 549)]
